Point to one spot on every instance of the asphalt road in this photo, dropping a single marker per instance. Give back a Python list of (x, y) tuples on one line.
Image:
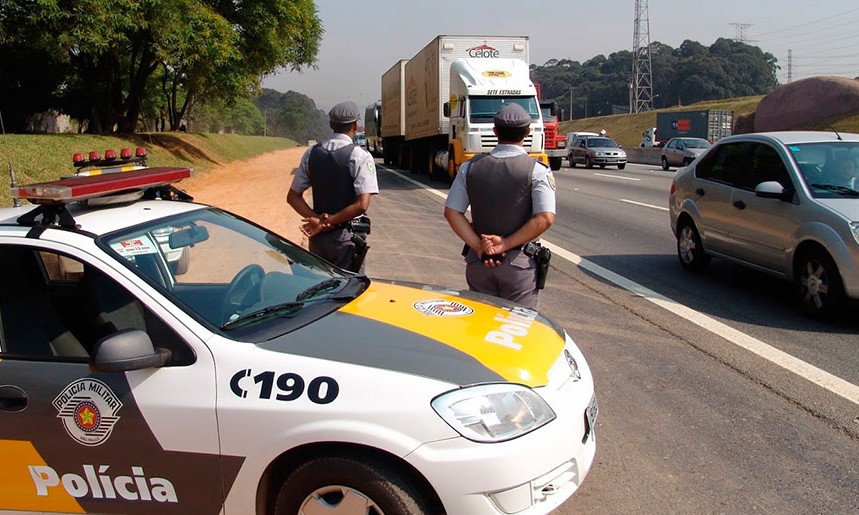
[(694, 416)]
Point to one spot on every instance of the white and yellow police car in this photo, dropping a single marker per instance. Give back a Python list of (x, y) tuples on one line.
[(261, 379)]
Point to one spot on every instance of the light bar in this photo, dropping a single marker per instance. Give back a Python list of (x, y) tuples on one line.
[(84, 187)]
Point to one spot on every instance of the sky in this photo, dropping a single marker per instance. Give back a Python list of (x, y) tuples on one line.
[(363, 39)]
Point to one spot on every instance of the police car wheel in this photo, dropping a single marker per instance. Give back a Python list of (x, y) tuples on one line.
[(242, 291), (346, 486)]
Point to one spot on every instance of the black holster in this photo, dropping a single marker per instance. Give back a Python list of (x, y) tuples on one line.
[(542, 255), (360, 228)]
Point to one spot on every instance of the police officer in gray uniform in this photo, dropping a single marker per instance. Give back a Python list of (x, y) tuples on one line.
[(512, 199), (342, 176)]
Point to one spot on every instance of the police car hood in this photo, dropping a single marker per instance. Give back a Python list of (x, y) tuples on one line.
[(449, 335)]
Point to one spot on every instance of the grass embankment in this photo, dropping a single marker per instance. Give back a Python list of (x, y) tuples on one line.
[(45, 157), (627, 129)]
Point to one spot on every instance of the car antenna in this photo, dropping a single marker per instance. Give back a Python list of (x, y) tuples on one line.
[(13, 183), (836, 133)]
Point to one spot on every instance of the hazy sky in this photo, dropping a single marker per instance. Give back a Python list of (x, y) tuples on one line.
[(365, 38)]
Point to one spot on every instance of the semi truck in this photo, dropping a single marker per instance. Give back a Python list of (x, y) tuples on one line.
[(393, 123), (447, 95), (373, 127), (556, 144), (708, 124)]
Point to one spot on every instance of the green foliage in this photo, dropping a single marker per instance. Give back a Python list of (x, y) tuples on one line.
[(627, 129), (46, 157), (689, 74), (105, 53), (293, 115)]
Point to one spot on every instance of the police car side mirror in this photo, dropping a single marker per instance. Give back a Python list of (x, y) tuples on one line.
[(129, 349)]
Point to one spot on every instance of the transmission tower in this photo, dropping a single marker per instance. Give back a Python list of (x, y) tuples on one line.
[(740, 29), (642, 73)]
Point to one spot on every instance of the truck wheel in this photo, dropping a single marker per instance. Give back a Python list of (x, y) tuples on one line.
[(664, 163), (350, 484), (690, 251), (572, 161), (821, 290), (555, 163)]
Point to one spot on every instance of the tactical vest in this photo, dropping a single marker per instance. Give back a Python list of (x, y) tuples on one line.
[(499, 191), (331, 182)]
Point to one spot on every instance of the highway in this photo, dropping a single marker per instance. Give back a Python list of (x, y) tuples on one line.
[(716, 394)]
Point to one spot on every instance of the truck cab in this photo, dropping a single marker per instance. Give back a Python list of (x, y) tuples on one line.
[(478, 89), (556, 145)]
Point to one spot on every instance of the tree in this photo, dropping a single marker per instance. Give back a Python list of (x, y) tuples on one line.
[(688, 74), (113, 48)]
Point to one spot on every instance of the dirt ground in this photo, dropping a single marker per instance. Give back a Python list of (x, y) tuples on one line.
[(255, 189)]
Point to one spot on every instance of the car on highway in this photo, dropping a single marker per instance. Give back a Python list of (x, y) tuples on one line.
[(778, 202), (263, 379), (360, 139), (682, 151), (593, 151)]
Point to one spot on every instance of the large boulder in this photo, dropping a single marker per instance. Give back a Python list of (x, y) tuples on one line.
[(791, 105)]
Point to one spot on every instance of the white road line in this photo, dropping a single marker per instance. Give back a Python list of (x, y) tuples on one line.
[(790, 363), (618, 177), (643, 204), (816, 375)]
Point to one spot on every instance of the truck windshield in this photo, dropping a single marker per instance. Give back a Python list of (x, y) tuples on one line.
[(482, 109)]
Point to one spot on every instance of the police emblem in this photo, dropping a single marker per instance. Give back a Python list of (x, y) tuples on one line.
[(443, 308), (88, 409)]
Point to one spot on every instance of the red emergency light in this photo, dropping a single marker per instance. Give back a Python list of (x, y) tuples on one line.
[(94, 156), (110, 154), (125, 153), (83, 187), (77, 157)]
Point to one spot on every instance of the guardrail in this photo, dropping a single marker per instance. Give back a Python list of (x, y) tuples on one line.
[(643, 156)]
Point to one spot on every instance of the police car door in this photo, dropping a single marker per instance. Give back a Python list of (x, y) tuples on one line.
[(74, 440)]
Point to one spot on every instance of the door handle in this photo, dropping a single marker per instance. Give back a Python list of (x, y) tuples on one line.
[(739, 204), (12, 398)]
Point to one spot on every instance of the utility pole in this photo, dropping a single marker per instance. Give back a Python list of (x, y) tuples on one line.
[(571, 103), (642, 73), (789, 66)]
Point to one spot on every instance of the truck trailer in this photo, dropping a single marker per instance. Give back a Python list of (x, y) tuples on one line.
[(450, 91), (708, 124), (373, 127), (393, 124)]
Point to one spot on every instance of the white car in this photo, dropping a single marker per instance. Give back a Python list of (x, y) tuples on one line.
[(263, 379)]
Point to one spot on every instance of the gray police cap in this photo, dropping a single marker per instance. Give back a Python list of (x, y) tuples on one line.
[(344, 112), (512, 115)]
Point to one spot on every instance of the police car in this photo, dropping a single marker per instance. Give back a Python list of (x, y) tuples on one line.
[(262, 379)]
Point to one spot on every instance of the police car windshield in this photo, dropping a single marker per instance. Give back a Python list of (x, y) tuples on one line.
[(220, 268), (483, 109)]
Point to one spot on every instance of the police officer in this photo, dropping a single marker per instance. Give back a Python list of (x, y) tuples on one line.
[(342, 176), (512, 199)]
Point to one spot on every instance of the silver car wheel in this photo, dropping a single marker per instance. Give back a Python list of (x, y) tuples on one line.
[(820, 288), (689, 248), (336, 499)]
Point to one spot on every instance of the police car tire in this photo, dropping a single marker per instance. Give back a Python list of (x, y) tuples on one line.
[(326, 480)]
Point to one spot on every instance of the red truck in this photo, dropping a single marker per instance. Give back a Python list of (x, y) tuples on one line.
[(556, 143)]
